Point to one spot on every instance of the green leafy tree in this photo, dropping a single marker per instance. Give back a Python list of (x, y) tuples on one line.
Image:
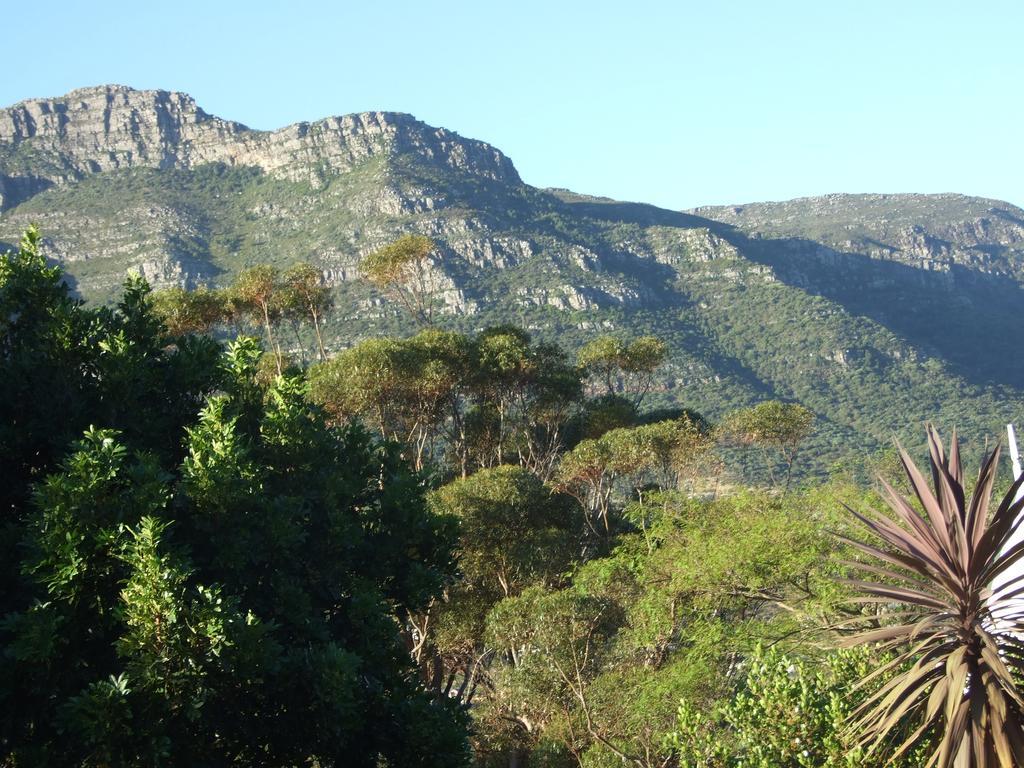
[(651, 455), (402, 270), (437, 368), (225, 594), (683, 604), (365, 381), (644, 356), (184, 312), (236, 609), (773, 426), (602, 414), (44, 335), (585, 473), (789, 711), (602, 358), (514, 532), (524, 395), (410, 390), (554, 644), (475, 402), (257, 295), (618, 365), (65, 366), (306, 295)]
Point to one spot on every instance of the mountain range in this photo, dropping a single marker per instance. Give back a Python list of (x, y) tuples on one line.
[(877, 311)]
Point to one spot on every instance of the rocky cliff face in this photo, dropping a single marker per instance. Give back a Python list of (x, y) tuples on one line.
[(60, 140)]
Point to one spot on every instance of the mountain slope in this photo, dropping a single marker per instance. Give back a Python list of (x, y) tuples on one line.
[(876, 311)]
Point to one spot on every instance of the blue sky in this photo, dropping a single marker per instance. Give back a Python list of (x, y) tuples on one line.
[(675, 103)]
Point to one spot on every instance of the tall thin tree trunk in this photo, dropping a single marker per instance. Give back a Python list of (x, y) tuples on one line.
[(270, 337), (319, 337)]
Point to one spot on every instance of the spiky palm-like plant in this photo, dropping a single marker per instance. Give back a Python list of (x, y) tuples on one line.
[(954, 621)]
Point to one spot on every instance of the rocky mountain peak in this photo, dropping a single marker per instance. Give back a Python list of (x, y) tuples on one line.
[(54, 141)]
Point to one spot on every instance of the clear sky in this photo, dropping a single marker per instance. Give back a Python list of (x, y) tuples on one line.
[(675, 103)]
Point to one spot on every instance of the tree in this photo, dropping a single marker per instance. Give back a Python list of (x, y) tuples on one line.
[(235, 609), (644, 356), (513, 532), (306, 294), (524, 395), (365, 381), (479, 402), (788, 711), (681, 608), (602, 414), (771, 425), (620, 365), (954, 624), (437, 367), (555, 643), (257, 295), (185, 312), (410, 390), (655, 455), (584, 472), (65, 366), (602, 358), (220, 591), (402, 270)]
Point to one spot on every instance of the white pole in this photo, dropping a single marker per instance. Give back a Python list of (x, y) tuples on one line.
[(1018, 568), (1011, 438)]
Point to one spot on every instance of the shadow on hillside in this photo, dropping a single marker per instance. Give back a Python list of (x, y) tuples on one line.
[(671, 295), (71, 282), (15, 190), (66, 278), (968, 318), (643, 214)]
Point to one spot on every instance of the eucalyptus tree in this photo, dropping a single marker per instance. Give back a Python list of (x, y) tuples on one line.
[(620, 366), (186, 312), (514, 532), (402, 270), (475, 402), (592, 673), (256, 295), (773, 426), (306, 295), (655, 455), (524, 395), (411, 390)]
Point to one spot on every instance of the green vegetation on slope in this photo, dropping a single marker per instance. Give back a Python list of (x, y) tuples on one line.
[(207, 559), (877, 312), (196, 569)]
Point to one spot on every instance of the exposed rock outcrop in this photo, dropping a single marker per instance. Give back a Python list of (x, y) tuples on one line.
[(91, 130)]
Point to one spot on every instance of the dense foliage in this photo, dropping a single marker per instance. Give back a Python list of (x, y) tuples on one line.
[(209, 574), (213, 556)]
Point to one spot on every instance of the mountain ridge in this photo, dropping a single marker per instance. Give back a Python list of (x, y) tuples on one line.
[(103, 128), (878, 311)]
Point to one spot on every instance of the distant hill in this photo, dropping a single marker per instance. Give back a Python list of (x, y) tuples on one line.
[(877, 311)]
